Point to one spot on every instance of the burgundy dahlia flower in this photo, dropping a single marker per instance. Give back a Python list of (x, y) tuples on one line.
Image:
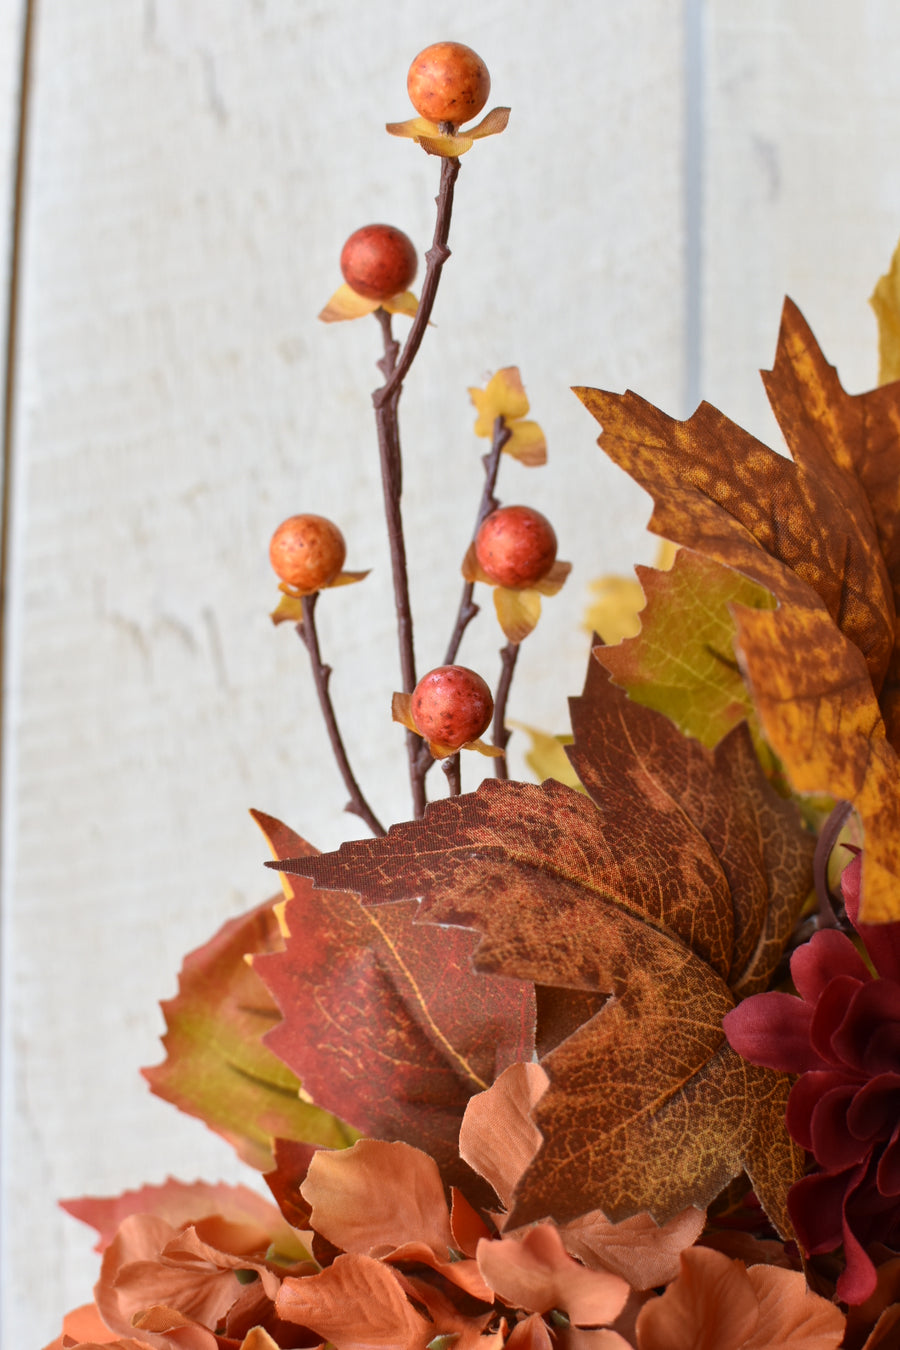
[(842, 1036)]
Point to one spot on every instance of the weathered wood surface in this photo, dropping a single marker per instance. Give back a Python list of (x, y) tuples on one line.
[(194, 170)]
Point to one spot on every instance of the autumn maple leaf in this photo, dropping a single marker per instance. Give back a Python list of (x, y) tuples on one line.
[(822, 534), (384, 1018), (638, 914), (216, 1065)]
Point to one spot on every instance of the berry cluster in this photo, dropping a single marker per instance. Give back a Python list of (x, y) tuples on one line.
[(514, 548)]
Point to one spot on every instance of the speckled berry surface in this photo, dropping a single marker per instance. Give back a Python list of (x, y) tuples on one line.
[(307, 552), (448, 82), (516, 546), (452, 705), (379, 261)]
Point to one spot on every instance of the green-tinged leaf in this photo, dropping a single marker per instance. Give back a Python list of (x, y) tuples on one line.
[(216, 1065), (682, 662), (821, 532)]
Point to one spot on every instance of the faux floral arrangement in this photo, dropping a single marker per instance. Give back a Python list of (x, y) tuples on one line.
[(610, 1061)]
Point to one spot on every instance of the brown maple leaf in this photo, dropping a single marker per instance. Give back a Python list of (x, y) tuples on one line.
[(384, 1018), (822, 534), (638, 914)]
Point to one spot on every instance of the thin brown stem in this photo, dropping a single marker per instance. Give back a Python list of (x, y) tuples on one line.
[(435, 258), (500, 731), (388, 430), (828, 837), (321, 676), (394, 366), (454, 777), (491, 461)]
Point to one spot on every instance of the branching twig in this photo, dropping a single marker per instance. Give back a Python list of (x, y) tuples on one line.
[(500, 731), (386, 399), (491, 461), (321, 675), (454, 777), (435, 258), (389, 451)]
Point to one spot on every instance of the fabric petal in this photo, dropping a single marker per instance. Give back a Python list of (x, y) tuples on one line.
[(773, 1031), (888, 1173), (827, 954), (535, 1272), (638, 1249), (790, 1314), (806, 1093), (498, 1137), (375, 1196), (881, 940), (829, 1014), (357, 1304), (711, 1306)]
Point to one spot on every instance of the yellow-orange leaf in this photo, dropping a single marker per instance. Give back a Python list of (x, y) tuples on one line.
[(503, 396), (554, 580), (885, 301), (347, 304), (401, 711), (547, 758), (348, 578), (429, 135), (402, 303), (288, 610), (613, 613), (527, 443), (517, 611)]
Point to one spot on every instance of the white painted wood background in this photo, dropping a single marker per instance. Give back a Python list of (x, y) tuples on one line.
[(672, 167)]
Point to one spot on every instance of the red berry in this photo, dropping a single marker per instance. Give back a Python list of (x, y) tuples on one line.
[(307, 552), (516, 546), (378, 262), (448, 82), (451, 705)]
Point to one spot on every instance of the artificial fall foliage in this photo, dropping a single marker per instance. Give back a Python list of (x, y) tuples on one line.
[(636, 921), (821, 532), (609, 1062)]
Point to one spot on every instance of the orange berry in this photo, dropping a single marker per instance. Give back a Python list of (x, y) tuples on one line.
[(379, 261), (515, 546), (448, 82), (451, 705), (307, 552)]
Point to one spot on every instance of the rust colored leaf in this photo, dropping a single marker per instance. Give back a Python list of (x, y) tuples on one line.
[(674, 887), (216, 1064), (385, 1018), (822, 534)]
